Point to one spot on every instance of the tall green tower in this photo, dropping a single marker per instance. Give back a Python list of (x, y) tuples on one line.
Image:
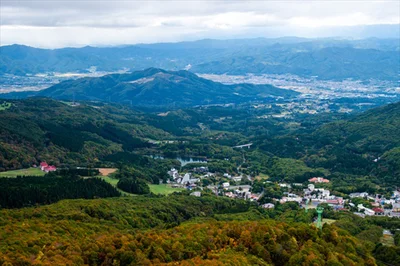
[(320, 210)]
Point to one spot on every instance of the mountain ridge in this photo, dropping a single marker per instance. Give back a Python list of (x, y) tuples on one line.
[(157, 87), (202, 56)]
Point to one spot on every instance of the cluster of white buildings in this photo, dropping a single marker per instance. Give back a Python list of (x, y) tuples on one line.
[(291, 197), (310, 195), (321, 195), (187, 178), (233, 178), (235, 192), (184, 180), (378, 203)]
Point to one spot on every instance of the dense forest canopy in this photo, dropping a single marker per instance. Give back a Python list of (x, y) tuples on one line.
[(33, 190), (110, 231)]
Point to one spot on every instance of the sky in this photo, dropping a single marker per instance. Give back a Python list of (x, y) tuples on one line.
[(76, 23)]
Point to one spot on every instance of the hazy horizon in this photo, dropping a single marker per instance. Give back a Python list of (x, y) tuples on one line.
[(338, 38), (62, 23)]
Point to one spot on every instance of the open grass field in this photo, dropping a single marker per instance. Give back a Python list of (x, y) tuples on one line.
[(164, 189), (114, 182), (4, 106), (23, 172), (325, 221), (110, 180), (328, 221), (262, 177)]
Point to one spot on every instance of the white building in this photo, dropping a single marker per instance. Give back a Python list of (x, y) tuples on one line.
[(287, 199), (230, 194), (367, 211), (326, 193), (237, 178), (358, 195), (185, 178), (396, 194), (173, 173), (225, 185), (196, 194), (268, 206)]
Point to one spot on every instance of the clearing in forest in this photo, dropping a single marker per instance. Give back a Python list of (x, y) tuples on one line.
[(4, 106), (107, 171), (164, 189), (23, 172)]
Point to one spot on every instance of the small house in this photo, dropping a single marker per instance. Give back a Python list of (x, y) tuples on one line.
[(318, 180), (378, 211), (50, 168), (43, 165), (396, 207)]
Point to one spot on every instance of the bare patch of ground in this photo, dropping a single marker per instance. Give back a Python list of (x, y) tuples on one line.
[(107, 171)]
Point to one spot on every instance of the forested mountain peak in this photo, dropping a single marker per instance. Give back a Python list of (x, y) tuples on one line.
[(157, 87)]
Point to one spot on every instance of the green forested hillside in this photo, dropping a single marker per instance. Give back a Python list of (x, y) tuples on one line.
[(374, 131), (111, 231), (157, 87), (37, 130), (363, 145)]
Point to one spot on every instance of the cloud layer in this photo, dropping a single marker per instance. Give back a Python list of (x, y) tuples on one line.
[(75, 23)]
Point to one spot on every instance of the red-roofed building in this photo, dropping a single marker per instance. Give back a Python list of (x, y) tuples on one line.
[(254, 196), (333, 201), (50, 168), (43, 165), (378, 211), (47, 168), (318, 180)]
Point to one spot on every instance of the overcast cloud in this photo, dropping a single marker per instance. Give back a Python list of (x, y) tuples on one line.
[(78, 23)]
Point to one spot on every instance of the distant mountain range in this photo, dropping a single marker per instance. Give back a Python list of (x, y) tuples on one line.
[(156, 87), (325, 58), (330, 63)]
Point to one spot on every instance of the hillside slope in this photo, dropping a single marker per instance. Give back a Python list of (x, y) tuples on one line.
[(35, 130), (106, 232), (374, 132), (366, 144), (157, 87)]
